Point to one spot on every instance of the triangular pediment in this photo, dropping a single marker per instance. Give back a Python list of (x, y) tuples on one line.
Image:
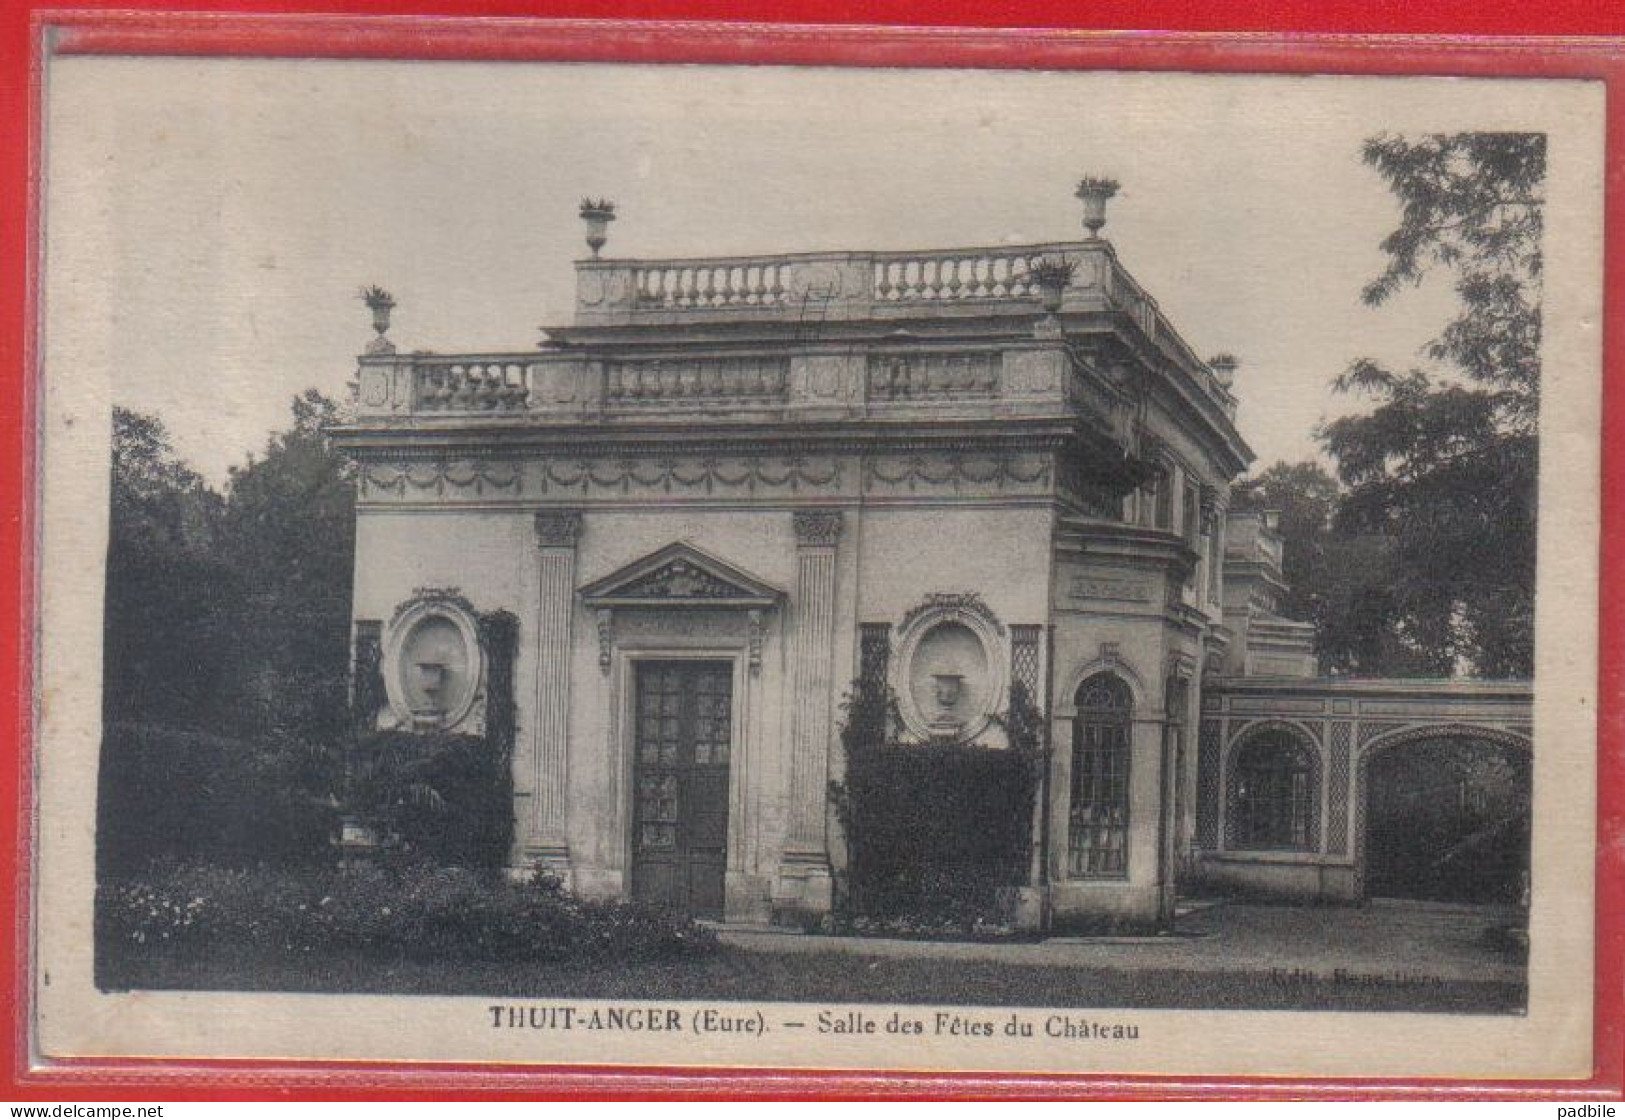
[(680, 575)]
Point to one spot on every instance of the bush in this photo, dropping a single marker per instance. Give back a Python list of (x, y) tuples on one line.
[(445, 798), (171, 795), (420, 911), (937, 833)]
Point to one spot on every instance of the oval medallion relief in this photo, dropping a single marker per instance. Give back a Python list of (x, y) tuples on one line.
[(432, 664), (950, 671)]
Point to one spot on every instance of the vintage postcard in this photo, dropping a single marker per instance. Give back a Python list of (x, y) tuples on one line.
[(750, 566)]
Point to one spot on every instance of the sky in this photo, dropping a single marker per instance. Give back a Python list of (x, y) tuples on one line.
[(217, 217)]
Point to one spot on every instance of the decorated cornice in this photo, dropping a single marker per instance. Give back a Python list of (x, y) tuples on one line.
[(500, 439)]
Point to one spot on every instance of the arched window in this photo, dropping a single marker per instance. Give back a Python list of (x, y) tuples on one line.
[(1097, 846), (1274, 792)]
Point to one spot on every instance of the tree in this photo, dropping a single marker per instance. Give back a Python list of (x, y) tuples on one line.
[(1306, 498), (165, 621), (1337, 578), (231, 613), (289, 531), (1444, 465)]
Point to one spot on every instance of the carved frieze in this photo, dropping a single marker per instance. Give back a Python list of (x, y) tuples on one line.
[(1111, 588), (688, 475), (679, 574), (681, 580), (956, 471), (441, 477)]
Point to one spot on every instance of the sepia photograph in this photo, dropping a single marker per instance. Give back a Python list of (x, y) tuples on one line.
[(770, 566)]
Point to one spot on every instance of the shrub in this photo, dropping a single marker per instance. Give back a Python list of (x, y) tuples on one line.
[(445, 798), (166, 794), (937, 833)]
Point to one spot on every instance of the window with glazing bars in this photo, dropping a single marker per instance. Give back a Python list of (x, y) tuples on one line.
[(1273, 794), (1098, 835)]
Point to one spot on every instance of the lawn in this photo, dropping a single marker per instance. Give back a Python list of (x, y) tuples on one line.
[(734, 973)]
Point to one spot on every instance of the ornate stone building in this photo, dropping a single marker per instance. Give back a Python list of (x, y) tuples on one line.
[(735, 485)]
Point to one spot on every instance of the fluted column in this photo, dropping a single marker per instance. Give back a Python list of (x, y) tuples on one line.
[(556, 534), (811, 656)]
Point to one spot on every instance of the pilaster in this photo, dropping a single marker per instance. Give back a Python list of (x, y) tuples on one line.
[(556, 535), (804, 870)]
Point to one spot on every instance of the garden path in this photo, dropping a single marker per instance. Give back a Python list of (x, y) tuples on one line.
[(1383, 940)]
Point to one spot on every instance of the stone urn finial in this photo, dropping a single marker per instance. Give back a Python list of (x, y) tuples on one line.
[(380, 303), (1224, 369), (597, 213), (1095, 193)]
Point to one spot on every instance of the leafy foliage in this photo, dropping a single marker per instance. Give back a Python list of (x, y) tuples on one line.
[(227, 621), (1339, 577), (230, 611), (166, 622), (1472, 205), (169, 794), (938, 833), (1446, 469), (1306, 498), (289, 533), (445, 798)]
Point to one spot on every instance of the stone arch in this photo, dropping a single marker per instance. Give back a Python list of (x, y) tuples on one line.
[(1399, 738), (1307, 742), (1117, 667), (1099, 790)]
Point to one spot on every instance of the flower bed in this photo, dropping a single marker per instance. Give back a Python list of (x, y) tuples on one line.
[(421, 912)]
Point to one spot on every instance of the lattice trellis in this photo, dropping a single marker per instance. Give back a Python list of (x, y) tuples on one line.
[(367, 694), (1370, 730), (1207, 784), (1025, 647), (874, 654), (1337, 791)]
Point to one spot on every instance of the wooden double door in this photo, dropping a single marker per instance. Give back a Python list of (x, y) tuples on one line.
[(682, 733)]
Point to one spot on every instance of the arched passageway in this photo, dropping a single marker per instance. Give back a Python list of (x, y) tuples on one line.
[(1447, 818)]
